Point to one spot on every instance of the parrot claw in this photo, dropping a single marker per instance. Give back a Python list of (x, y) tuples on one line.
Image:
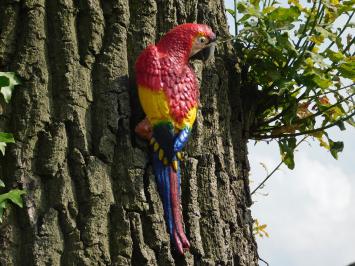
[(184, 241), (144, 129), (178, 244)]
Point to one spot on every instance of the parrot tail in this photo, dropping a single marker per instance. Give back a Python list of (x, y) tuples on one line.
[(168, 181)]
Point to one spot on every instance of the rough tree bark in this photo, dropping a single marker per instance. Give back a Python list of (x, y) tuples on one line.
[(91, 196)]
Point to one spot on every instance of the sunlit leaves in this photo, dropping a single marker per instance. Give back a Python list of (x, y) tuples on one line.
[(347, 69), (259, 229), (303, 65), (283, 16), (335, 57)]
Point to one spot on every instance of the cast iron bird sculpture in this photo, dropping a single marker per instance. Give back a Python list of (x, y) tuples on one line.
[(168, 91)]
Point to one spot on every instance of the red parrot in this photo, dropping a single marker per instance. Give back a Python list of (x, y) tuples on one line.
[(168, 91)]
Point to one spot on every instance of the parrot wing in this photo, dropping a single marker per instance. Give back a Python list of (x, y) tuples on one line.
[(148, 69), (150, 88)]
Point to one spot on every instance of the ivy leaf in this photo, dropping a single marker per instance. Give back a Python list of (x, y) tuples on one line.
[(14, 196), (5, 138), (6, 91)]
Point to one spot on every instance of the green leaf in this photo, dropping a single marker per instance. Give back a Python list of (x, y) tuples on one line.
[(347, 69), (335, 147), (287, 147), (2, 183), (282, 16), (322, 82), (2, 147), (6, 137), (14, 196), (255, 2), (4, 81), (242, 7), (341, 125), (346, 6), (230, 11), (335, 56), (6, 91)]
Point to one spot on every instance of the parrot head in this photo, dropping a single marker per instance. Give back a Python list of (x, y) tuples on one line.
[(186, 40)]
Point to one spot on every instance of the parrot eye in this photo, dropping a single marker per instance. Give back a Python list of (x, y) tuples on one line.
[(202, 40)]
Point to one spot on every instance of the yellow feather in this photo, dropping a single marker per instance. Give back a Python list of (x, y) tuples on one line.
[(155, 104), (175, 165), (156, 107), (161, 154)]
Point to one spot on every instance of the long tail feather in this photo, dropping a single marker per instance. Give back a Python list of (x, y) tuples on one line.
[(175, 202), (168, 182)]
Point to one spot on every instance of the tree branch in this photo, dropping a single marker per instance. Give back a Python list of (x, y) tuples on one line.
[(310, 116), (275, 169), (342, 30), (260, 137)]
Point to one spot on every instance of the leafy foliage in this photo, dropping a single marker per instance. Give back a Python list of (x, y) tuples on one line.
[(8, 81), (303, 66)]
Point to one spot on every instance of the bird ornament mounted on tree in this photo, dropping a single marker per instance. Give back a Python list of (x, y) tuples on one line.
[(168, 91)]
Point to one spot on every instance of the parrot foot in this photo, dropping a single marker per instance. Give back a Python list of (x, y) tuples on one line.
[(181, 243), (144, 129)]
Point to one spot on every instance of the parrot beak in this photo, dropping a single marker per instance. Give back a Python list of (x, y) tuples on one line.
[(208, 51)]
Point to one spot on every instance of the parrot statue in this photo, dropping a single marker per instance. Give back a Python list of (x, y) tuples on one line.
[(169, 93)]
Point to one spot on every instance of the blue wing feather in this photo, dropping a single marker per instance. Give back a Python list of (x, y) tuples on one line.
[(181, 139)]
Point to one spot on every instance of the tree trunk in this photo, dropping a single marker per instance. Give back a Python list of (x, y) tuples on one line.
[(91, 196)]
